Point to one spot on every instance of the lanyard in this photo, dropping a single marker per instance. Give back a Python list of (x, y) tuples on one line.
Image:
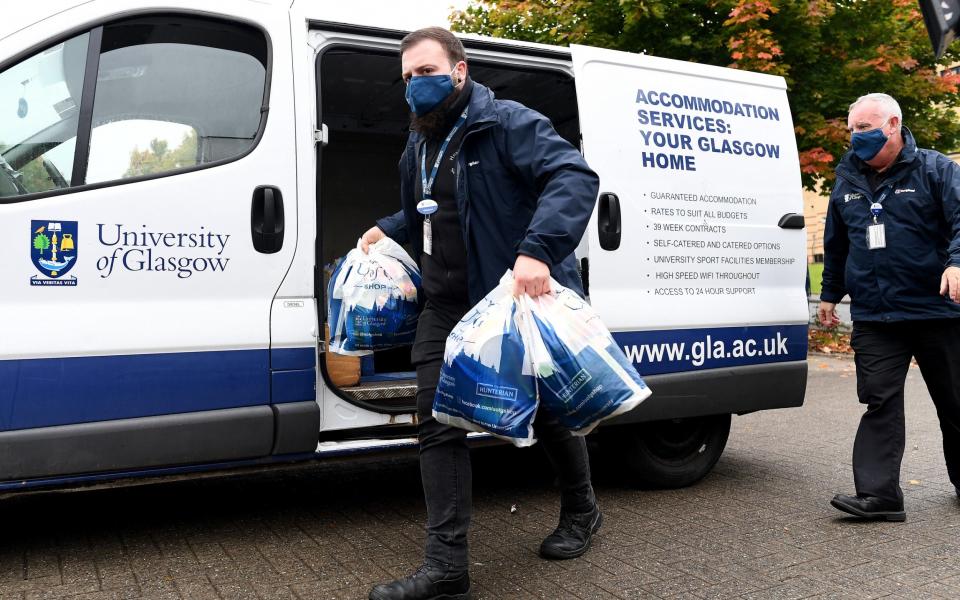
[(427, 184), (876, 207)]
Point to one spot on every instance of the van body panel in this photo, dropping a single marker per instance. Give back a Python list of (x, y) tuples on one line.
[(296, 427), (703, 164), (140, 443), (62, 391), (300, 279), (736, 390)]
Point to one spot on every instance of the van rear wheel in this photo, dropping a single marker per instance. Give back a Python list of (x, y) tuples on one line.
[(671, 454)]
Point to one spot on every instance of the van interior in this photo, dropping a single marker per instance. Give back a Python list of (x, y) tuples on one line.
[(363, 107)]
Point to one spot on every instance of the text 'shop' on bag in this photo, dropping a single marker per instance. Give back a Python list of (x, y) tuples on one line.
[(583, 376), (509, 360), (373, 299), (486, 381)]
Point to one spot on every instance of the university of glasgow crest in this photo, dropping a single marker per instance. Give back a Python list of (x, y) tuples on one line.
[(53, 250)]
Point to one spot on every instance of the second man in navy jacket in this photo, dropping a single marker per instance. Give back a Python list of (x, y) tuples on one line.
[(892, 242)]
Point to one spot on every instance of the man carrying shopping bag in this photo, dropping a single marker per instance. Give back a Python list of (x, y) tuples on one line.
[(486, 185)]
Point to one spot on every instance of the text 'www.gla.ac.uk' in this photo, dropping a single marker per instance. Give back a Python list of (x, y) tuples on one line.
[(699, 352)]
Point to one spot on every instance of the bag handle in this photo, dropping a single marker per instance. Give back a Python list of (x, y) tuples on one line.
[(541, 362)]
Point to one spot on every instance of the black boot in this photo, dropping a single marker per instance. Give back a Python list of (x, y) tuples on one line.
[(572, 536), (870, 507), (427, 583)]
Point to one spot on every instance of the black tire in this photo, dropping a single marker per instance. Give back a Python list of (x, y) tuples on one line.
[(670, 454)]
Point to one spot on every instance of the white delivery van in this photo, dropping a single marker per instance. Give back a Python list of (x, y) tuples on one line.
[(175, 181)]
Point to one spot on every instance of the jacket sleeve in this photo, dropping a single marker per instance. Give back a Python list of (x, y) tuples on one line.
[(566, 186), (395, 226), (950, 201), (836, 246)]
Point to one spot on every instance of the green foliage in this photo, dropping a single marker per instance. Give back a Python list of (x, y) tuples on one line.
[(816, 278), (685, 29), (830, 52), (35, 178), (41, 242), (158, 158), (33, 175)]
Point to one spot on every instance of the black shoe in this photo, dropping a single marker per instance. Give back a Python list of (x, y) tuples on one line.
[(572, 536), (427, 583), (870, 507)]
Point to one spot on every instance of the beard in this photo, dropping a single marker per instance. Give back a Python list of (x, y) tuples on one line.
[(435, 123)]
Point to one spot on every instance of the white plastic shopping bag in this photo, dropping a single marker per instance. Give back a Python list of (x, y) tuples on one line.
[(510, 359), (486, 381), (373, 299), (583, 376)]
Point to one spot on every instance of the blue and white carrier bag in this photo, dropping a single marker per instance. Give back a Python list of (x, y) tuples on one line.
[(583, 376), (486, 380), (373, 300)]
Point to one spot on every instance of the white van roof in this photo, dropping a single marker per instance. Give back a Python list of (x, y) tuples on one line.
[(315, 12), (319, 15), (28, 13)]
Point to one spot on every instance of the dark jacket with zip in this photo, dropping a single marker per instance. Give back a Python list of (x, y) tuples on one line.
[(444, 271), (920, 195), (520, 189)]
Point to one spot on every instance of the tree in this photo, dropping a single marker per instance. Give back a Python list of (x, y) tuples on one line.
[(830, 53), (41, 242), (158, 158), (33, 176)]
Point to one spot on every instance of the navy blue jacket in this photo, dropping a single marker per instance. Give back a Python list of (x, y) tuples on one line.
[(921, 215), (521, 189)]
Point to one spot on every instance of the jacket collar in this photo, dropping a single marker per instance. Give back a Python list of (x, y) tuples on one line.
[(481, 106)]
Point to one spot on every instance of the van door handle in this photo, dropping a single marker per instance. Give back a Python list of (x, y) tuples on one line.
[(792, 221), (266, 219), (608, 221)]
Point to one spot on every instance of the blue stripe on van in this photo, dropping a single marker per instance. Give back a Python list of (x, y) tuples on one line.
[(290, 359), (62, 391), (677, 350), (294, 386)]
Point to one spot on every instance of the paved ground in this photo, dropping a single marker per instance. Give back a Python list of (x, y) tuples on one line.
[(760, 526)]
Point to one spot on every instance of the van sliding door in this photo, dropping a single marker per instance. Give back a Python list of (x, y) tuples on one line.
[(695, 263)]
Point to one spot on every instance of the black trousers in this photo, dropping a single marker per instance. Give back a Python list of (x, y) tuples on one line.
[(445, 458), (883, 353)]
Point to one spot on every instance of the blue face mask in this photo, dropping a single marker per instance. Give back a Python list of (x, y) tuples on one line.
[(867, 144), (425, 92)]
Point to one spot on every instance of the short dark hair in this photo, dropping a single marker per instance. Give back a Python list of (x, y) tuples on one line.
[(450, 43)]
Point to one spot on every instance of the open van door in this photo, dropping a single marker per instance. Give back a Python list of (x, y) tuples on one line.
[(697, 252)]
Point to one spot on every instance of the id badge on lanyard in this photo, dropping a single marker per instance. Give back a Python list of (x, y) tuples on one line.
[(427, 208), (876, 233), (428, 205)]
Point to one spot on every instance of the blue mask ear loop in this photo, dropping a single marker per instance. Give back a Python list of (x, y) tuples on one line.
[(884, 124)]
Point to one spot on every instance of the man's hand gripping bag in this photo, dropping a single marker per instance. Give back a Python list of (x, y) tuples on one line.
[(373, 300), (486, 381), (583, 377)]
